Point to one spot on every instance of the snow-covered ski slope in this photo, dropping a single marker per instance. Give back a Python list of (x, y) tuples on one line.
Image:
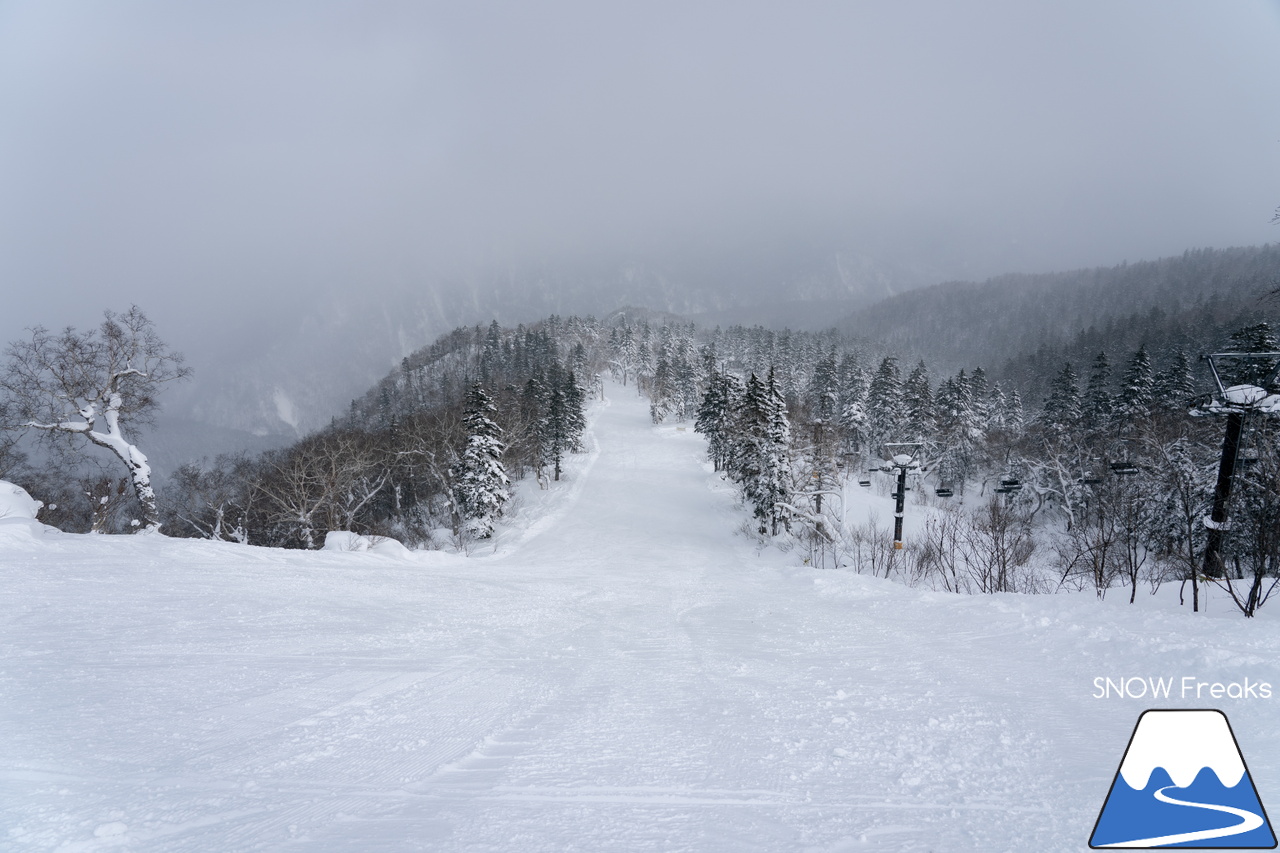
[(622, 672)]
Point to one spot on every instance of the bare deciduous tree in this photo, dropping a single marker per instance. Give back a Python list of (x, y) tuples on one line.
[(322, 483), (87, 385)]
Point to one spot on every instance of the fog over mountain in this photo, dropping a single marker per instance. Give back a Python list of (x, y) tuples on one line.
[(300, 194)]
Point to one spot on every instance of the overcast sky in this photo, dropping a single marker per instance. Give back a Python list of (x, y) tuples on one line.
[(198, 156)]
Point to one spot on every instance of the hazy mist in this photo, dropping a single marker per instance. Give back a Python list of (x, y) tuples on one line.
[(220, 164)]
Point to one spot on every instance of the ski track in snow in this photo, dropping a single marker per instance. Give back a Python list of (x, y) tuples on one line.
[(620, 671)]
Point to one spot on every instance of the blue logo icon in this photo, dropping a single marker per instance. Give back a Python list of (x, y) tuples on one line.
[(1183, 783)]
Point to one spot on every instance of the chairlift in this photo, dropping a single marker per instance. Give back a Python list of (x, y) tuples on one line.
[(1089, 480), (943, 492), (1009, 485), (866, 484), (1123, 468)]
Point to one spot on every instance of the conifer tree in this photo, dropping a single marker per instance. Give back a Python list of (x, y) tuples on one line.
[(565, 420), (1138, 388), (918, 404), (763, 464), (1099, 403), (533, 418), (480, 482), (1013, 417), (824, 439), (716, 417), (1175, 386), (959, 428), (823, 393), (980, 394), (997, 407), (884, 403), (661, 390), (686, 374), (625, 358), (575, 410), (1061, 412)]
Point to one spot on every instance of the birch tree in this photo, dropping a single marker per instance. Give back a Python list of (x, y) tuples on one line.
[(90, 387)]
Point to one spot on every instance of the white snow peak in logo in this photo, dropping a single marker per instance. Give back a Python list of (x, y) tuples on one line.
[(1183, 783)]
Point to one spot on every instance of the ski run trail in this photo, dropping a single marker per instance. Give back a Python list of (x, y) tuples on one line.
[(621, 669)]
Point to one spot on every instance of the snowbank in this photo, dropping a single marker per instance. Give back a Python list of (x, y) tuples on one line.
[(16, 503), (18, 513), (345, 540)]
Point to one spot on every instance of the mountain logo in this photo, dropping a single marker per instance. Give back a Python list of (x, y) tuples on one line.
[(1183, 783)]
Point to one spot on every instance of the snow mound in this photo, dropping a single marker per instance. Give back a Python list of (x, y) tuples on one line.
[(345, 540), (16, 503), (387, 545), (18, 513)]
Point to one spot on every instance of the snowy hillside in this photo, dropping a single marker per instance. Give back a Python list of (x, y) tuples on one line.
[(291, 374), (620, 670)]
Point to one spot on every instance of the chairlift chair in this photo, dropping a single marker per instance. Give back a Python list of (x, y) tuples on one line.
[(1009, 485)]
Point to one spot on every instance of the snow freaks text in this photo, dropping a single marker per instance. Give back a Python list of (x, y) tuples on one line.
[(1184, 687)]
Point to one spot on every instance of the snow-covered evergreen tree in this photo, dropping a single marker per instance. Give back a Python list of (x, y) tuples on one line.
[(980, 393), (624, 357), (762, 463), (884, 404), (823, 394), (959, 429), (822, 472), (1175, 386), (1138, 388), (1098, 404), (717, 417), (1014, 415), (533, 422), (575, 410), (1061, 413), (854, 383), (918, 403), (565, 419), (480, 482)]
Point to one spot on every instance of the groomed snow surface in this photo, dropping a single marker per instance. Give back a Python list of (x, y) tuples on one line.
[(619, 671)]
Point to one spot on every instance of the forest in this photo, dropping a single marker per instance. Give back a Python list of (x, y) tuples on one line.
[(1090, 462)]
